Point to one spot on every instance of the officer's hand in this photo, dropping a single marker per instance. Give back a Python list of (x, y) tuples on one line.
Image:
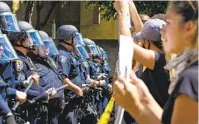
[(51, 92), (94, 83), (79, 91), (21, 96), (102, 83), (34, 77)]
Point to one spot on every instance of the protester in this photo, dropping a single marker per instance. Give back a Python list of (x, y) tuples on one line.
[(179, 36), (150, 51)]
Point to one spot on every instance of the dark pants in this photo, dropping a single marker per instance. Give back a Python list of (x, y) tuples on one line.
[(36, 113), (68, 115), (55, 109)]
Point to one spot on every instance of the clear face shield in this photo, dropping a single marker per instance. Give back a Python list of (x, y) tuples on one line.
[(78, 39), (80, 46), (104, 54), (8, 21), (107, 66), (37, 42), (93, 50), (82, 52), (50, 47), (7, 52)]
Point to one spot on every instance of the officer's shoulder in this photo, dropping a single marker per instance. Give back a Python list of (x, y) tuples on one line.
[(62, 58), (64, 53)]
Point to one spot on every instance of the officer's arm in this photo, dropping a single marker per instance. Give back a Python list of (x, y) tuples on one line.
[(11, 91), (73, 87), (95, 82), (4, 109)]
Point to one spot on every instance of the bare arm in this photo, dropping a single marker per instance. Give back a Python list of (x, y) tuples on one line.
[(143, 56), (149, 112), (135, 97), (135, 17), (185, 111), (73, 87)]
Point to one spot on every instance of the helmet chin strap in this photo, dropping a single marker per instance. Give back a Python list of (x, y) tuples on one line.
[(69, 44), (28, 48)]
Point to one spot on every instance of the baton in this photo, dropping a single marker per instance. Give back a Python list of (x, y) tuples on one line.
[(16, 105), (61, 88), (42, 95)]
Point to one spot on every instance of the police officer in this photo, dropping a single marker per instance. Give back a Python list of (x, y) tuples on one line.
[(83, 58), (48, 80), (9, 26), (97, 72), (49, 74), (71, 67), (105, 63), (5, 90), (104, 55), (22, 45), (50, 46), (95, 69)]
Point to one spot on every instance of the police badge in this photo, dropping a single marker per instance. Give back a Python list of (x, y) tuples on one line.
[(18, 65), (62, 59)]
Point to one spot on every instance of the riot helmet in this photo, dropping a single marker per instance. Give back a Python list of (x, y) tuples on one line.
[(8, 20), (68, 34), (80, 47), (7, 52), (33, 35), (91, 48), (49, 45), (105, 59)]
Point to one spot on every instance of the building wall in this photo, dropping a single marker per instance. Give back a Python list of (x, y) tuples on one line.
[(104, 30), (104, 34)]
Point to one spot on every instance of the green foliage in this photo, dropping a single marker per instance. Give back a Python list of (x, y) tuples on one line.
[(144, 7)]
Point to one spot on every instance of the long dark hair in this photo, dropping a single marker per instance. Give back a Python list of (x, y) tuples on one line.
[(189, 12), (187, 9)]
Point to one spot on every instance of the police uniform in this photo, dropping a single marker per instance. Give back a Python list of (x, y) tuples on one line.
[(38, 108), (70, 68), (102, 98), (5, 92), (49, 79)]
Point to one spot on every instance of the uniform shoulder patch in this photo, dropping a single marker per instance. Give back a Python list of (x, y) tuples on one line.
[(18, 65), (62, 59), (85, 64)]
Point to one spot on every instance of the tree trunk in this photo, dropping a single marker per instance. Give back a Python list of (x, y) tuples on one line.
[(38, 25), (53, 5), (29, 11)]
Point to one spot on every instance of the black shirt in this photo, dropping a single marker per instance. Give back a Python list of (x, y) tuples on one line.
[(187, 84), (157, 80)]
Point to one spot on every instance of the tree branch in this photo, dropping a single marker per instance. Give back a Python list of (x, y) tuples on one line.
[(38, 26), (49, 14)]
